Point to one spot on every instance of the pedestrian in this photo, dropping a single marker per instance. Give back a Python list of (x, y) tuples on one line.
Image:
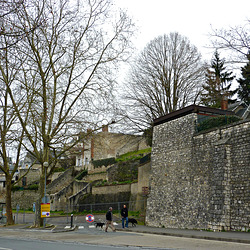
[(109, 220), (124, 214)]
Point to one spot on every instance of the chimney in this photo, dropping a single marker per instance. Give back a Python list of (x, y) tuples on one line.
[(224, 103), (105, 128)]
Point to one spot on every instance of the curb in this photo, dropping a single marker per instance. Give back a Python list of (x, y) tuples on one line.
[(54, 230), (191, 236)]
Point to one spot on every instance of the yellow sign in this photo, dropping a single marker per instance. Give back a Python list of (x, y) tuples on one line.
[(45, 210)]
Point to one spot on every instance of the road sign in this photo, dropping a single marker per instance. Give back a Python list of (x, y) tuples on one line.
[(90, 218), (45, 210)]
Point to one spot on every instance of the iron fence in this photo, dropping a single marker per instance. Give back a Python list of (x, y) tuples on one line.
[(136, 209)]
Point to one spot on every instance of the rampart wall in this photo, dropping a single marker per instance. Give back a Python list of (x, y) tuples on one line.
[(200, 180)]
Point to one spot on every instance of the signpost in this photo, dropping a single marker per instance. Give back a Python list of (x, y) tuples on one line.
[(45, 210)]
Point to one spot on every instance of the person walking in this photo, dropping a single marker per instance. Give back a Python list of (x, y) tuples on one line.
[(109, 220), (124, 214)]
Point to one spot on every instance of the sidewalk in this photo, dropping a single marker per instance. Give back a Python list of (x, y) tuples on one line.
[(240, 237)]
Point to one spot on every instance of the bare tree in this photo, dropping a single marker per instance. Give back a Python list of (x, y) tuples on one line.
[(9, 11), (234, 39), (12, 134), (166, 76), (67, 73)]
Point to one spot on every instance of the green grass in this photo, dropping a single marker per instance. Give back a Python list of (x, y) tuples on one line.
[(134, 155)]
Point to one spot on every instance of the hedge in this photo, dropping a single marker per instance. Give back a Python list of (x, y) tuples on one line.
[(104, 162), (218, 121)]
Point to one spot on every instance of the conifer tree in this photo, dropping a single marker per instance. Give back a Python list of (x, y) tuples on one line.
[(243, 90), (218, 83)]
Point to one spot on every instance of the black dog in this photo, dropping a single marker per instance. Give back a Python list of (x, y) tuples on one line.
[(99, 224), (132, 221)]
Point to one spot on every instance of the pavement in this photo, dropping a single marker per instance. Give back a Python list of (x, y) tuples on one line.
[(239, 237)]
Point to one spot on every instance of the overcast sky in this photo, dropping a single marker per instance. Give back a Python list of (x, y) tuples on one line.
[(191, 18)]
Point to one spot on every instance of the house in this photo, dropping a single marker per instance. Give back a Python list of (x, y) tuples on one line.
[(240, 109), (105, 145), (2, 175)]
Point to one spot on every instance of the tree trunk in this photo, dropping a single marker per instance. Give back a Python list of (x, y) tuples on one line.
[(38, 219), (10, 220)]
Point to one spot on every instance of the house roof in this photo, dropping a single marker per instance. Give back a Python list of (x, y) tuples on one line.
[(241, 109), (189, 110)]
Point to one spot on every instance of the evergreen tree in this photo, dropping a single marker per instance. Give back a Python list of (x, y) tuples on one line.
[(243, 90), (218, 83)]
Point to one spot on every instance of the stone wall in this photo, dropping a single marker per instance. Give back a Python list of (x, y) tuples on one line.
[(95, 176), (24, 199), (113, 195), (111, 189), (64, 179), (199, 181), (123, 171), (32, 176), (108, 145)]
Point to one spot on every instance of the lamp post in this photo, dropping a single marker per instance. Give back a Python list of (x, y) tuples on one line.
[(45, 164)]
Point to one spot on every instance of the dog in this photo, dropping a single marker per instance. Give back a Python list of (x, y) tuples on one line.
[(99, 224), (132, 221)]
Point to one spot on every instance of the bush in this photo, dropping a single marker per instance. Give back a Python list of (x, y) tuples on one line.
[(15, 188), (58, 170), (103, 162), (218, 121), (82, 174), (33, 187)]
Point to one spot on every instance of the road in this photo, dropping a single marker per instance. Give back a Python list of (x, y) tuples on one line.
[(6, 244), (92, 238)]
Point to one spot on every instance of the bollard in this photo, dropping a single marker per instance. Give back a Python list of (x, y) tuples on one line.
[(71, 223)]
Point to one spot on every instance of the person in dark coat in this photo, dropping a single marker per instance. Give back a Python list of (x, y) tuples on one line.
[(109, 220), (124, 214)]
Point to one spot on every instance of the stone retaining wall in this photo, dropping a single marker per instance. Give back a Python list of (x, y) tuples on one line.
[(24, 199), (200, 180)]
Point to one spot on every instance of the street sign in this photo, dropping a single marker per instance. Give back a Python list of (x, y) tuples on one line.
[(90, 218), (45, 210)]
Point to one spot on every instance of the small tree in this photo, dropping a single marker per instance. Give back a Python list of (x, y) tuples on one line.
[(243, 90), (218, 83)]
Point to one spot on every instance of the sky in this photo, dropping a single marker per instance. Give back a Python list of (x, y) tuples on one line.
[(191, 18)]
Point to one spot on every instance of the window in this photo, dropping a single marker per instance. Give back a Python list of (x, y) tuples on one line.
[(86, 160), (24, 181)]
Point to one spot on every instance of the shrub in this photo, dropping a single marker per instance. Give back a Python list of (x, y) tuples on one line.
[(82, 174), (103, 162), (15, 188), (33, 187), (218, 121)]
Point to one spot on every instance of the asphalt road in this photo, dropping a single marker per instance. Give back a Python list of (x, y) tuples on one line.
[(14, 244), (91, 237)]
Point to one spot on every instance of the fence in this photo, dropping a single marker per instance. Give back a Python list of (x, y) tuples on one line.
[(136, 209), (133, 206)]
